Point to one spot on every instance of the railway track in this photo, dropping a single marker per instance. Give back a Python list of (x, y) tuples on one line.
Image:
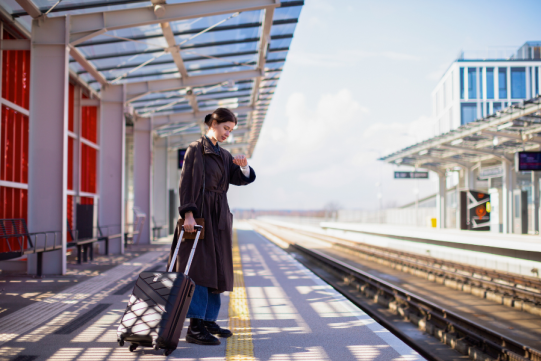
[(460, 333)]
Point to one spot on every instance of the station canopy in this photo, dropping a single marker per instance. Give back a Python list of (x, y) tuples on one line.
[(180, 60), (496, 137)]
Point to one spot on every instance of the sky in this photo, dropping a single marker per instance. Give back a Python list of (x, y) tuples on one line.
[(357, 85)]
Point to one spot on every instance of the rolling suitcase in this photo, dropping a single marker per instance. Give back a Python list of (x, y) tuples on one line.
[(158, 306)]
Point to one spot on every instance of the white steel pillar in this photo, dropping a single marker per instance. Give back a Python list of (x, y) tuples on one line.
[(159, 185), (112, 168), (535, 195), (507, 195), (441, 205), (142, 174), (47, 173)]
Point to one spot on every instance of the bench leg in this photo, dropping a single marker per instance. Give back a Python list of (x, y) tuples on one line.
[(107, 246), (91, 249), (79, 254), (39, 270), (85, 253)]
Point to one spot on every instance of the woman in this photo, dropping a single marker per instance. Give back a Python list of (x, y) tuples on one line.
[(212, 266)]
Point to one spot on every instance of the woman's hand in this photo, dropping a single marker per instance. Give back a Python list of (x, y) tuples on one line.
[(189, 222), (240, 160)]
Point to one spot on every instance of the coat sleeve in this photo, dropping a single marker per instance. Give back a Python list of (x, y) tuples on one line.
[(188, 190), (236, 177)]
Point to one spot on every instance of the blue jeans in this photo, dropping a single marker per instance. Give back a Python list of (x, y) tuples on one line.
[(205, 304)]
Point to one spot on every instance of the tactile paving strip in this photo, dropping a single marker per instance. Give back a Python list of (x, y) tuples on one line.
[(240, 346)]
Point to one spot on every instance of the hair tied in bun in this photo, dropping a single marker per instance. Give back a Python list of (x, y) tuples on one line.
[(208, 117)]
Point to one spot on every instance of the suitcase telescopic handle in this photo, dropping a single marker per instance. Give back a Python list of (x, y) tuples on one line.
[(192, 252)]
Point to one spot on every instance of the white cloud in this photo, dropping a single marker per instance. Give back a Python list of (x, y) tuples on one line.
[(327, 152)]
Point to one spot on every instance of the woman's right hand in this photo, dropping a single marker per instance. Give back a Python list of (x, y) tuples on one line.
[(189, 222)]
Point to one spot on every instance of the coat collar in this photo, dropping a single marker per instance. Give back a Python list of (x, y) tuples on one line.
[(208, 147)]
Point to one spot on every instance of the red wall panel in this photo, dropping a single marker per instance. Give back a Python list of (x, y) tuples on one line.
[(71, 107), (14, 146), (16, 75), (87, 200), (13, 204), (88, 169), (89, 123)]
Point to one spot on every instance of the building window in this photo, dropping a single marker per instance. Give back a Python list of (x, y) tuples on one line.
[(472, 83), (536, 80), (490, 83), (468, 112), (488, 108), (502, 83), (497, 106), (481, 83), (518, 83), (461, 83)]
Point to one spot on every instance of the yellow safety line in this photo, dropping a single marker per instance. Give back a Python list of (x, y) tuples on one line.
[(240, 345)]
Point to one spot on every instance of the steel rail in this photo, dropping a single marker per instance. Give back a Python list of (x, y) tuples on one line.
[(431, 263), (488, 341)]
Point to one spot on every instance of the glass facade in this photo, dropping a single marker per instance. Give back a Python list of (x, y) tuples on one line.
[(461, 83), (472, 83), (502, 83), (468, 112), (536, 80), (518, 83), (496, 106), (480, 83), (490, 83)]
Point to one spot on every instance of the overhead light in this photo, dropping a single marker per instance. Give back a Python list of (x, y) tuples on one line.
[(506, 125), (457, 141), (423, 152)]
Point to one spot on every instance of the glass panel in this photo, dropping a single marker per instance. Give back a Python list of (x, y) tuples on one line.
[(497, 106), (472, 83), (502, 82), (536, 80), (480, 83), (490, 83), (468, 112), (461, 83), (518, 83)]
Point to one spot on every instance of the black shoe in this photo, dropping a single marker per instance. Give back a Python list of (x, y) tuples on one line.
[(213, 328), (197, 333)]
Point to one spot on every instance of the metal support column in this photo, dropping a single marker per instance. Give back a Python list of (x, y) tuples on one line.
[(48, 138), (535, 194), (507, 195), (112, 154), (441, 205), (160, 194), (142, 175)]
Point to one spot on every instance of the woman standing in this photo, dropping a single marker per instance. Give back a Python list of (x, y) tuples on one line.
[(212, 266)]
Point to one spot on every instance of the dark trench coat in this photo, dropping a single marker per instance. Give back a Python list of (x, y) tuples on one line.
[(212, 265)]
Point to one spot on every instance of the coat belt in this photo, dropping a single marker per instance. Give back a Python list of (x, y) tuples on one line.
[(221, 208)]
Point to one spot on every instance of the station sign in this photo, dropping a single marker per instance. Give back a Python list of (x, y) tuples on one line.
[(411, 175), (491, 172), (181, 154), (528, 161)]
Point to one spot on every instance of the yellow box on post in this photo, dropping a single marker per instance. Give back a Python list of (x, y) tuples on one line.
[(433, 222)]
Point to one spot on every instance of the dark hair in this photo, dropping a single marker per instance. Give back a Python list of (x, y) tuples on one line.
[(220, 115)]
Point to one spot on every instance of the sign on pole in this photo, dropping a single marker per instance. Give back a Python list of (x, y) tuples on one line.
[(411, 175)]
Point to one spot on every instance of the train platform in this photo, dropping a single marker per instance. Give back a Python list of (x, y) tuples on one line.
[(279, 310)]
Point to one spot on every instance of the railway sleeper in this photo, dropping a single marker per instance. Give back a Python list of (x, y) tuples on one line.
[(441, 332), (460, 285)]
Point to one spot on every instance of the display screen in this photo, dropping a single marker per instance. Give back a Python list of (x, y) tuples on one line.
[(411, 175), (181, 154), (528, 161)]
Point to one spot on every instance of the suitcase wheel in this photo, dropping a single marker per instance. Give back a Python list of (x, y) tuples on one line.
[(168, 351), (133, 347)]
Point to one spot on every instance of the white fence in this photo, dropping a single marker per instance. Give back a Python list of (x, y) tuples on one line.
[(408, 217)]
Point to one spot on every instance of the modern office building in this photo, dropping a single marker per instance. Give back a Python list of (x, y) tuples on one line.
[(474, 87)]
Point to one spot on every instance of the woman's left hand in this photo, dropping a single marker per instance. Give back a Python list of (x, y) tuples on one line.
[(240, 160)]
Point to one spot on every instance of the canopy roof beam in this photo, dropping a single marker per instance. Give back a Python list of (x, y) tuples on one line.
[(163, 121), (30, 8), (86, 26), (136, 90)]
